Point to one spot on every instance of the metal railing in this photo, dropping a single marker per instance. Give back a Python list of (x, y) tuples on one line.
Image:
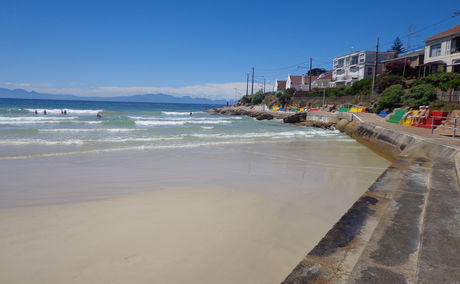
[(446, 118)]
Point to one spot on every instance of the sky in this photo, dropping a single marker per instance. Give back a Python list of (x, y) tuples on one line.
[(197, 48)]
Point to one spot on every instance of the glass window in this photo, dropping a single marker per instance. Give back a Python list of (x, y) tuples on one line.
[(354, 60), (435, 50), (339, 63), (455, 45), (369, 70)]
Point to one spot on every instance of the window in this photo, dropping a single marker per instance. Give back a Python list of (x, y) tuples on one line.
[(362, 57), (435, 50), (455, 45), (354, 69), (370, 71), (339, 63), (354, 60)]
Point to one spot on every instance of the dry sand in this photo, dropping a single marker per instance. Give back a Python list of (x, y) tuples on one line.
[(168, 236)]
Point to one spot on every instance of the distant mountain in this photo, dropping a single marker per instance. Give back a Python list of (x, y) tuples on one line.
[(145, 98)]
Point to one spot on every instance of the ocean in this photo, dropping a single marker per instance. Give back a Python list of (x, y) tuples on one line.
[(129, 126)]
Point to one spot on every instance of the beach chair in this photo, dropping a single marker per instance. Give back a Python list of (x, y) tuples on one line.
[(408, 119), (344, 109), (435, 119), (397, 116), (353, 109), (383, 113)]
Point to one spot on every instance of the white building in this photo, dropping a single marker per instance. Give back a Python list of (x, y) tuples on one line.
[(322, 81), (442, 52), (299, 82), (355, 66)]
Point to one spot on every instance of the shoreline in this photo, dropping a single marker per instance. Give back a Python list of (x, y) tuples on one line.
[(406, 227)]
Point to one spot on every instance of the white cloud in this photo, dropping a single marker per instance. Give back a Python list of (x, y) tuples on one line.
[(208, 90)]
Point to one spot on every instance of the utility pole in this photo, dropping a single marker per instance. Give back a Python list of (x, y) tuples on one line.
[(324, 97), (247, 83), (311, 63), (375, 66), (252, 85), (264, 85)]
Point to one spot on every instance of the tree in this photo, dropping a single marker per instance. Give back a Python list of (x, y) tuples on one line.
[(391, 97), (420, 95), (316, 71), (285, 97), (397, 47)]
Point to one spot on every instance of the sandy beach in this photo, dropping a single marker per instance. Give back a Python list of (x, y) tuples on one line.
[(240, 214)]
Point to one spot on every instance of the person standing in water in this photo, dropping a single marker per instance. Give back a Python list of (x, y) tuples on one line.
[(99, 116), (44, 112), (190, 113), (36, 112)]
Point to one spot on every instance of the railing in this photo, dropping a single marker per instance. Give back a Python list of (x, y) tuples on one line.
[(456, 121)]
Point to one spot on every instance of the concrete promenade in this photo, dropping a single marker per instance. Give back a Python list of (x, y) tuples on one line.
[(406, 227)]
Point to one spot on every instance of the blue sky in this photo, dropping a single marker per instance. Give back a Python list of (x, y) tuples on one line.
[(198, 48)]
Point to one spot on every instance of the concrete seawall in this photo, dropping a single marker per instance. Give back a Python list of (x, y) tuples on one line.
[(405, 228)]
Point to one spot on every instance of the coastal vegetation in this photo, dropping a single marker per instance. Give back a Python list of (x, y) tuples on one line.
[(393, 91)]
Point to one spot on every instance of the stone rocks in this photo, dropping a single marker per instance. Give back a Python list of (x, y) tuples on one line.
[(264, 116), (296, 118)]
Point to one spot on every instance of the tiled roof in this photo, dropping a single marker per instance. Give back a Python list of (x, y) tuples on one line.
[(281, 84), (453, 30), (296, 79)]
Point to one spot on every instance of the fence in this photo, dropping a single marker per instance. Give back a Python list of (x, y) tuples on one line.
[(453, 97), (454, 128)]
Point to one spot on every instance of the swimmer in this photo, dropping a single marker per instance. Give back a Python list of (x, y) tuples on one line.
[(44, 112), (190, 113), (99, 115)]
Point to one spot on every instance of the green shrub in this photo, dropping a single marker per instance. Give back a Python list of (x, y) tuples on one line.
[(452, 84), (391, 97), (361, 87), (284, 98), (420, 95), (437, 79)]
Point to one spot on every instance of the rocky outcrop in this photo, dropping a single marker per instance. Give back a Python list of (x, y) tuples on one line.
[(296, 118), (264, 116)]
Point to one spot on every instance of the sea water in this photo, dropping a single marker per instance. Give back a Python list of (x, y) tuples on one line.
[(129, 126)]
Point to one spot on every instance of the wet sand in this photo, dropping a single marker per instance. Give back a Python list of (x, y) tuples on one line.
[(236, 214)]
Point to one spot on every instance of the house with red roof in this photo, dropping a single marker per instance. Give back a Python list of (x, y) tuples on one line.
[(280, 85), (299, 82), (442, 52), (322, 81)]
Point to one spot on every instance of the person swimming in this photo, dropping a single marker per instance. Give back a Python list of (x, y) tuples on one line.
[(99, 115), (190, 113), (36, 112), (44, 112), (65, 112)]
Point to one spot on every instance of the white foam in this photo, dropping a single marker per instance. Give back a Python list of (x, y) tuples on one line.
[(163, 122), (40, 142), (69, 111), (178, 112), (207, 127), (89, 130), (35, 118)]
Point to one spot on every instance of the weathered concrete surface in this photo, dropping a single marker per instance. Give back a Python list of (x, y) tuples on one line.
[(405, 228)]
